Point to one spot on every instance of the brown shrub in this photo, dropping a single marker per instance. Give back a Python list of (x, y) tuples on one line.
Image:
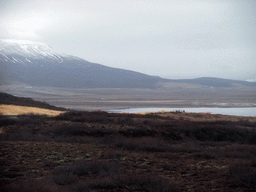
[(204, 155), (143, 144), (42, 185), (138, 132), (94, 167), (85, 116), (242, 174), (147, 182), (77, 130)]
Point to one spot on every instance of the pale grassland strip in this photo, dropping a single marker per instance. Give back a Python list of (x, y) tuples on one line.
[(19, 110)]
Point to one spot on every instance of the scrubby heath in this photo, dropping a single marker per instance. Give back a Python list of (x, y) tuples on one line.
[(100, 151)]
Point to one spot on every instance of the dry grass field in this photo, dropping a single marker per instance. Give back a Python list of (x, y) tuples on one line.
[(21, 110)]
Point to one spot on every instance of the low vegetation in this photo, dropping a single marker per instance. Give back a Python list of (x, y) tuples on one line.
[(99, 151)]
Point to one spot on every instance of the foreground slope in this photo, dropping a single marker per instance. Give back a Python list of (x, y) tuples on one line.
[(97, 151)]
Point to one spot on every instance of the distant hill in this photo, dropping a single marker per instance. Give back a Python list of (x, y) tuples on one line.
[(24, 101), (216, 82)]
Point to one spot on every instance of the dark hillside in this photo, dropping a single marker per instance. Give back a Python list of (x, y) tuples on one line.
[(24, 101)]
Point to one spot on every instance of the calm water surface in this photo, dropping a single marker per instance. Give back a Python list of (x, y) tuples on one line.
[(247, 111)]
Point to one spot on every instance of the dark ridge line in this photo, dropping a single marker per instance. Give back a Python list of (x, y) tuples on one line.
[(26, 101)]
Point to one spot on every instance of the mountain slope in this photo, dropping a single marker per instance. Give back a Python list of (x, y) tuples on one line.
[(37, 64)]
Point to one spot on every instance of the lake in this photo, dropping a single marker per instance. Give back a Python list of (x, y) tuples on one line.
[(246, 111)]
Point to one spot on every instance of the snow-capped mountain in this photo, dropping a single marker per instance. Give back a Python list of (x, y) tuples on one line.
[(36, 63), (23, 51), (30, 52)]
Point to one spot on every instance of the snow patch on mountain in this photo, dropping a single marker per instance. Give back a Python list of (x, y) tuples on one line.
[(13, 50), (251, 80)]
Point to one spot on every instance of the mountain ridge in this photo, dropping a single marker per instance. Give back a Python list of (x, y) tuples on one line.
[(216, 82), (48, 70), (37, 64)]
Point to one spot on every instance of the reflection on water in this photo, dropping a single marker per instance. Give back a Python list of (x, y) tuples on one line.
[(246, 111)]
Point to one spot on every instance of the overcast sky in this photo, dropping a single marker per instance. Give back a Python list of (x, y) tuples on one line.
[(167, 38)]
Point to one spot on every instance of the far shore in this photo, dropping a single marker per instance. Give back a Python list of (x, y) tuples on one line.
[(94, 105)]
